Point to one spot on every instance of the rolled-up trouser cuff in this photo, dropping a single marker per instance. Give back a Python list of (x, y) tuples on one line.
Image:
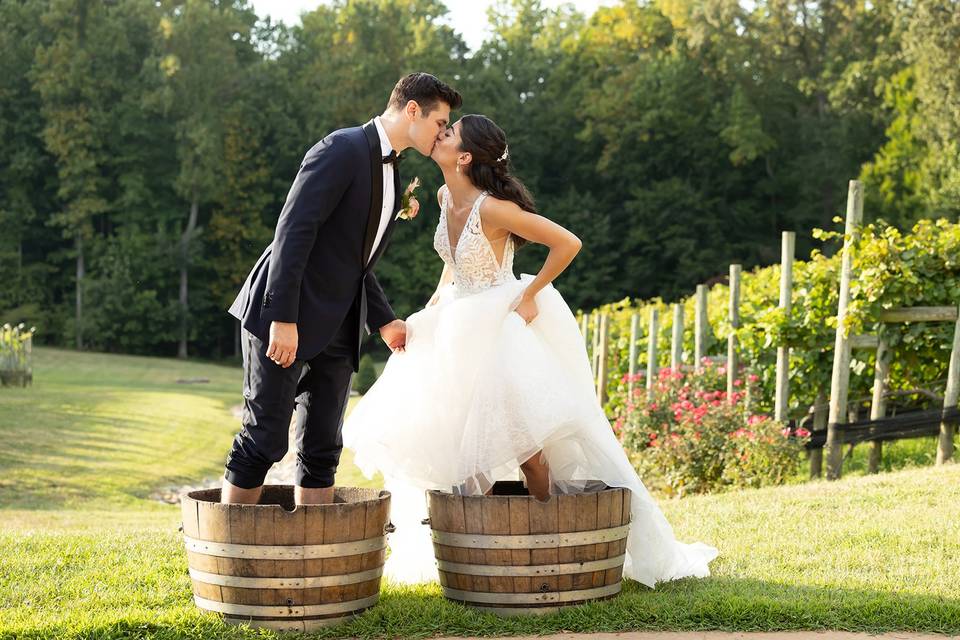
[(313, 482), (244, 480)]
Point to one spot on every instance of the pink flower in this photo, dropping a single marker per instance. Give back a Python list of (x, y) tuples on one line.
[(802, 433), (737, 382), (754, 419), (753, 377), (785, 432), (722, 371)]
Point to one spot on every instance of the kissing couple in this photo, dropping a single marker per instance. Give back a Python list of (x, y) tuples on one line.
[(490, 377)]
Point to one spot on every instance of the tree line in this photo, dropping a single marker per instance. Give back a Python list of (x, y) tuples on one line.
[(147, 146)]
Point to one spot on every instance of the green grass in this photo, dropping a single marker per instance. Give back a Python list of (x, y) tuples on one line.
[(84, 553)]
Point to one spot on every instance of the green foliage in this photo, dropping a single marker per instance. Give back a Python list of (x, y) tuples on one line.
[(893, 269), (674, 138), (366, 375)]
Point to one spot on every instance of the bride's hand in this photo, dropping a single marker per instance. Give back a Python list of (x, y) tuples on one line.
[(527, 309)]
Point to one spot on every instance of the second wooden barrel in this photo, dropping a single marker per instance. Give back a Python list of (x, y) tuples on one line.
[(283, 567), (511, 554)]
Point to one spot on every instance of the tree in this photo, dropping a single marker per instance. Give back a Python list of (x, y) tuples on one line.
[(75, 111), (204, 47)]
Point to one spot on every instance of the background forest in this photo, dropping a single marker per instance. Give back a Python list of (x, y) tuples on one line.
[(146, 147)]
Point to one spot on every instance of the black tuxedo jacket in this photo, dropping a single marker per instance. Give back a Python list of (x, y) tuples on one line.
[(315, 270)]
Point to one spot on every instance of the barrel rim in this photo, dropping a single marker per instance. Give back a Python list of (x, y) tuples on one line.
[(549, 500), (195, 497)]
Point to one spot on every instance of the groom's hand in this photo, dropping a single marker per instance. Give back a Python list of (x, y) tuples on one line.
[(283, 343), (395, 335)]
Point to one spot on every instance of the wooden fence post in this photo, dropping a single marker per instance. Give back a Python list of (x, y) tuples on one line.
[(840, 378), (950, 397), (585, 326), (676, 344), (602, 361), (782, 397), (700, 326), (878, 405), (632, 365), (652, 363), (733, 362), (819, 424)]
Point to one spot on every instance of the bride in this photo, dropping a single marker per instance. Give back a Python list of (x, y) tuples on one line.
[(495, 376)]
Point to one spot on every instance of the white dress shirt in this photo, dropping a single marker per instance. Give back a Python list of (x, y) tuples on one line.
[(388, 196)]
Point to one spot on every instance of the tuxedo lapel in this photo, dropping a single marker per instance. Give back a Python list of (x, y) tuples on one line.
[(376, 189), (392, 223)]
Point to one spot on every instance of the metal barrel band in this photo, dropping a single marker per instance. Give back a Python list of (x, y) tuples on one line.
[(290, 625), (284, 552), (285, 611), (532, 570), (285, 583), (485, 597), (536, 541)]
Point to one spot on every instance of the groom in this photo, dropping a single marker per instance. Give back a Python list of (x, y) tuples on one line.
[(313, 290)]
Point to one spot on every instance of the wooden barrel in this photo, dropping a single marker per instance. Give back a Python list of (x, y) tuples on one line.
[(283, 567), (511, 554)]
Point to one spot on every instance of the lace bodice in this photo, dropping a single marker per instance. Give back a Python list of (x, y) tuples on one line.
[(473, 261)]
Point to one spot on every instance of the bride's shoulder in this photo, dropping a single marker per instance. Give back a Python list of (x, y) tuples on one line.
[(440, 193), (497, 210)]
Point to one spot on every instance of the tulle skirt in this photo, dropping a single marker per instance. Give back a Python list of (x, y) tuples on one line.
[(478, 392)]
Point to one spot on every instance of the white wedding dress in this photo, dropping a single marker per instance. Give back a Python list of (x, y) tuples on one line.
[(477, 392)]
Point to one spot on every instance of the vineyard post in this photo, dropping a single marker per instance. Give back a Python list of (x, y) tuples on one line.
[(950, 397), (732, 360), (602, 361), (652, 349), (840, 378), (676, 344), (782, 397), (878, 405), (700, 326)]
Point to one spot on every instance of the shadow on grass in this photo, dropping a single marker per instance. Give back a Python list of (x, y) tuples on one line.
[(723, 604)]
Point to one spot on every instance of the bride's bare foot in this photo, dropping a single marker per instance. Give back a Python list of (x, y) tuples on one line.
[(537, 473)]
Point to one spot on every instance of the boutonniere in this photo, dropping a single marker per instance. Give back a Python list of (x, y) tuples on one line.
[(406, 211)]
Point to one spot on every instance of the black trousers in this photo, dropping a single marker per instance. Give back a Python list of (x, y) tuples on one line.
[(318, 388)]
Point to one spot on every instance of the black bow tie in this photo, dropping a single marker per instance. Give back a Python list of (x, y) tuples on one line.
[(392, 158)]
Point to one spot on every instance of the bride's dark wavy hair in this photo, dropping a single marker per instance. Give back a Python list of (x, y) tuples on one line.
[(487, 143)]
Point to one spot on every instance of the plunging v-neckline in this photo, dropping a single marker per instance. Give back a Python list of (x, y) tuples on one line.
[(446, 220)]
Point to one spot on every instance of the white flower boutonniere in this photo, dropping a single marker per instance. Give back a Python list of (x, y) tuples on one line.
[(407, 211)]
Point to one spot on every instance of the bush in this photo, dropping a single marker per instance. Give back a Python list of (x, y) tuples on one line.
[(366, 376), (689, 437)]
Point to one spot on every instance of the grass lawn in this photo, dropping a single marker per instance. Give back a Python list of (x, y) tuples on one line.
[(84, 552)]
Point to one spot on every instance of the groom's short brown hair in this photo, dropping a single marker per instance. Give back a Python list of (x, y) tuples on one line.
[(426, 89)]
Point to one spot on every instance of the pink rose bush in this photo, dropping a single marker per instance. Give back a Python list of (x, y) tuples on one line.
[(689, 436)]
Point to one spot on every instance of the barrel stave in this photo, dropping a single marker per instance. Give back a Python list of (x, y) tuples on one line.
[(277, 602), (516, 580)]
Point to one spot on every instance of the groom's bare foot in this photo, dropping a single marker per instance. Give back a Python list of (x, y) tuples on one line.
[(232, 494), (305, 495)]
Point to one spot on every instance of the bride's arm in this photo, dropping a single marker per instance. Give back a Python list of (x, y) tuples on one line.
[(563, 244)]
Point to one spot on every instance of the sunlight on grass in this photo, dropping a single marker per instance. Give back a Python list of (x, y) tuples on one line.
[(85, 552)]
